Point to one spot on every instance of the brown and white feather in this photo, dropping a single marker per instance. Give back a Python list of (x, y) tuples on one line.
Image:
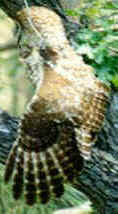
[(64, 116)]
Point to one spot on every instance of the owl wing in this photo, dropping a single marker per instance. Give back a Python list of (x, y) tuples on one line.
[(44, 156), (53, 137), (52, 144), (94, 105)]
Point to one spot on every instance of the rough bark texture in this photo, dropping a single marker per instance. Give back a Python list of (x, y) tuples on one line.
[(8, 134), (100, 177)]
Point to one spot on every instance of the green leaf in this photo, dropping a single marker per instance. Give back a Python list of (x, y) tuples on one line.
[(115, 80), (111, 5)]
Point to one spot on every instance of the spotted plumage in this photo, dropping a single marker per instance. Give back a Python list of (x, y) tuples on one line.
[(64, 116), (44, 156)]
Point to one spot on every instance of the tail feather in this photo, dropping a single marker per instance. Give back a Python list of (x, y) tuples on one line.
[(64, 162), (43, 159), (43, 190), (56, 152), (56, 179), (11, 163), (18, 175), (30, 184)]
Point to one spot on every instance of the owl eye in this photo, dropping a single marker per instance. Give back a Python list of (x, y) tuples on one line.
[(49, 54)]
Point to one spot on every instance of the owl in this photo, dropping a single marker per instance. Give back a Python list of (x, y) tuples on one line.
[(67, 111)]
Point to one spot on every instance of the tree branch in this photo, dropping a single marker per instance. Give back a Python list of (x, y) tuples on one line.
[(8, 46)]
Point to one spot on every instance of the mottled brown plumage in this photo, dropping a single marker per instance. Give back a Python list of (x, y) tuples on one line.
[(63, 118)]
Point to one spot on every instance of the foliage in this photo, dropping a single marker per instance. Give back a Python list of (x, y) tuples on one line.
[(98, 43)]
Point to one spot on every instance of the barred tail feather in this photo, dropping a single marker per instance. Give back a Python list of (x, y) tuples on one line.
[(70, 162), (43, 159), (18, 174), (43, 191), (10, 164), (56, 177), (29, 179)]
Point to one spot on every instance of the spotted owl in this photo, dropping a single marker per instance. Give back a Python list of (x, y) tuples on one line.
[(63, 119)]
